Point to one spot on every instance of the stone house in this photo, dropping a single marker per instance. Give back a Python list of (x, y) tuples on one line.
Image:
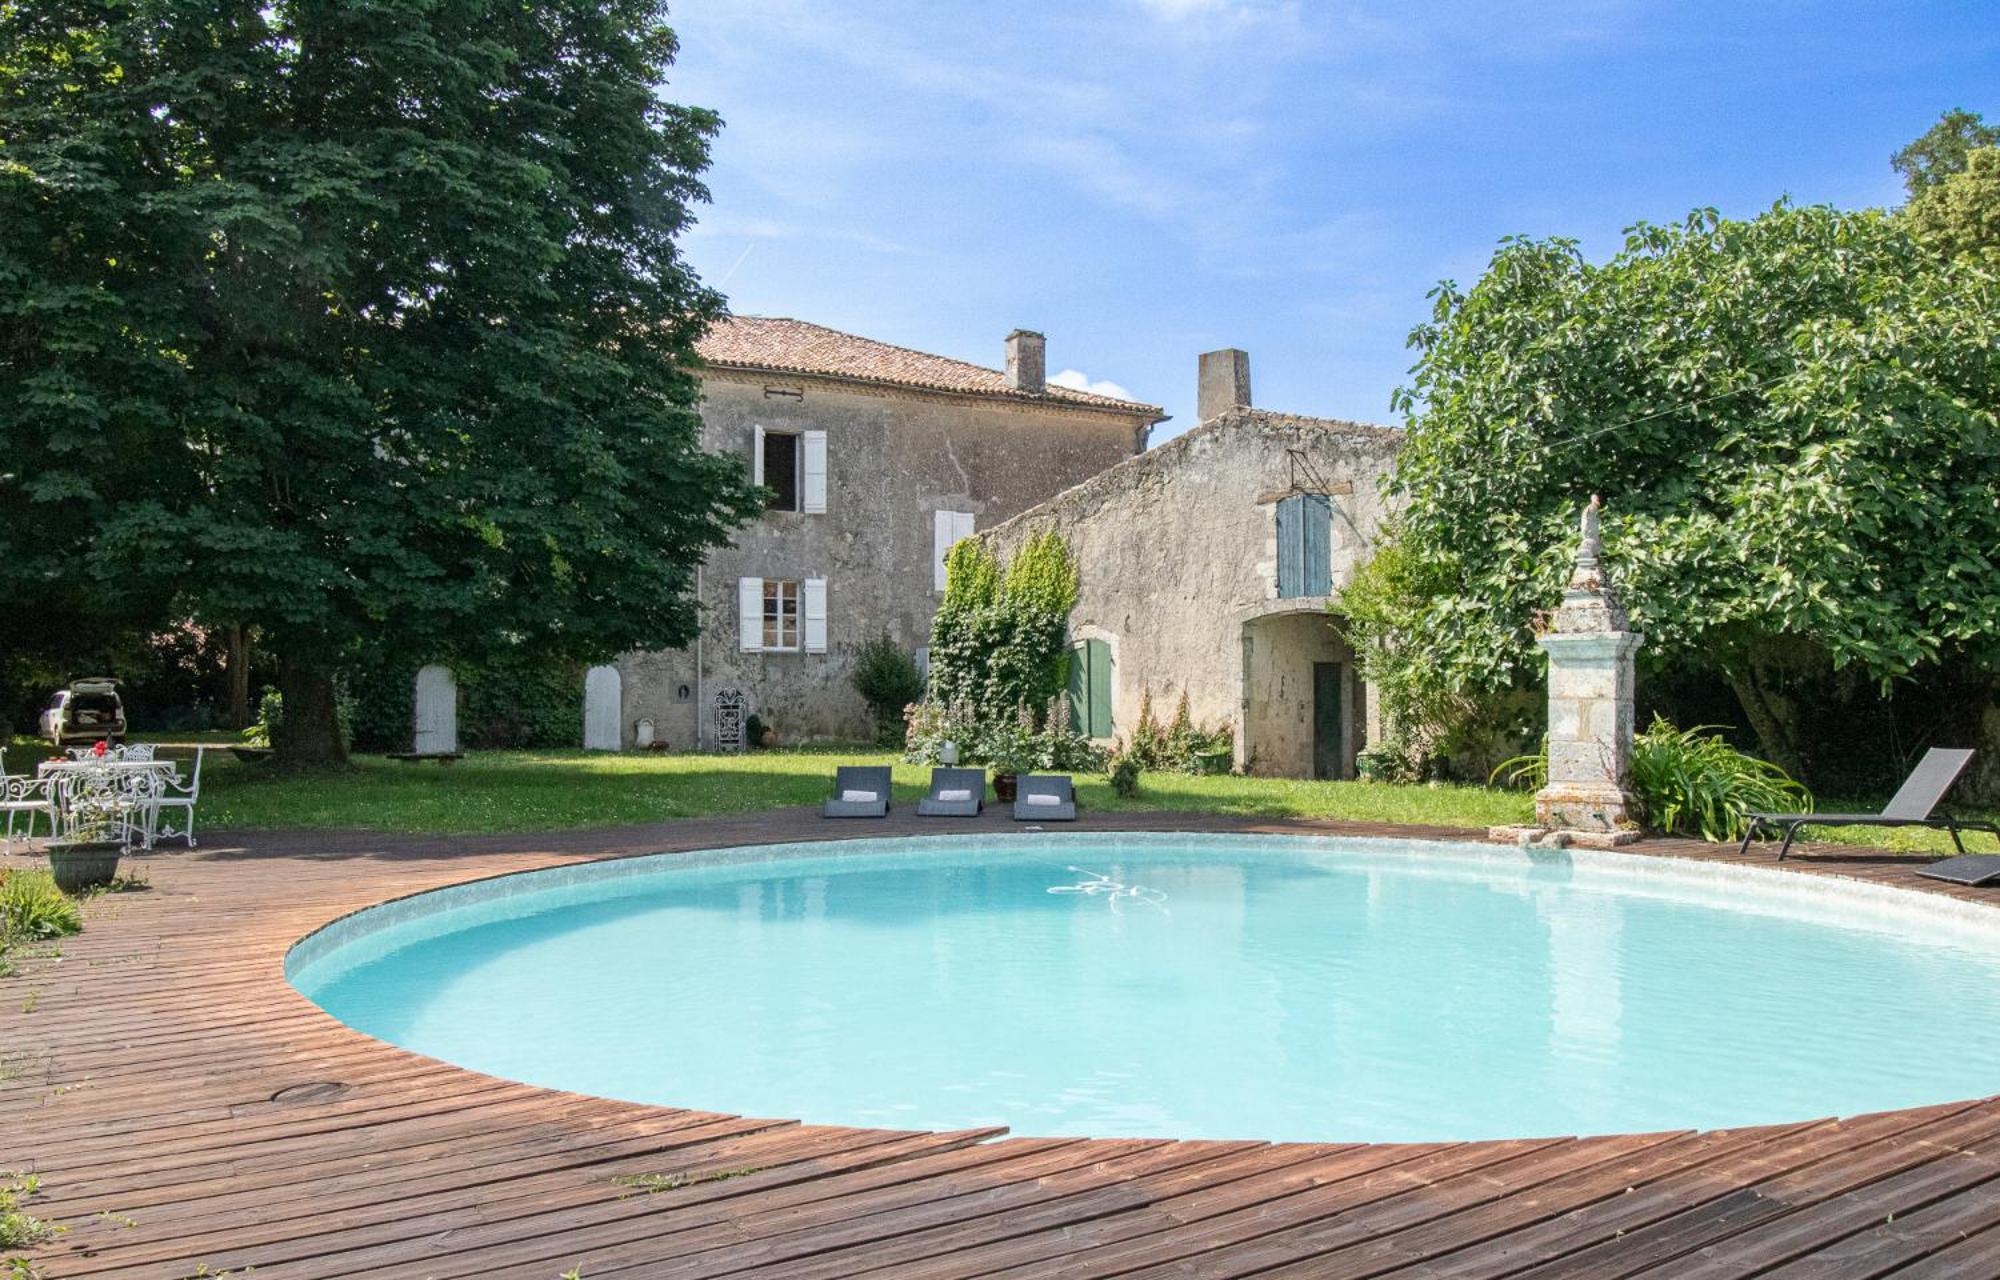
[(878, 458), (1209, 567)]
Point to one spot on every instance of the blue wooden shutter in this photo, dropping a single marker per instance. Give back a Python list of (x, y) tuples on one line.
[(1100, 688), (1315, 538), (1291, 567)]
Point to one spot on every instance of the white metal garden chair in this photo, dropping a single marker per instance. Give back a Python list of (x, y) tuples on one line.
[(176, 794), (135, 751), (27, 796)]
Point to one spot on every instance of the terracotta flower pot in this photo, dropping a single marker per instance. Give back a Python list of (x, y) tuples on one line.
[(85, 864), (1003, 787)]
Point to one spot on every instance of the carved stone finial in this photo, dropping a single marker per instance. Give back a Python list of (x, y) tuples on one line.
[(1590, 604)]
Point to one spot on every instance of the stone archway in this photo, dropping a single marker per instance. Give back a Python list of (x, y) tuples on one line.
[(1303, 711)]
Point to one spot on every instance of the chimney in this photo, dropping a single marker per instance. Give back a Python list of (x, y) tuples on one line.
[(1027, 361), (1223, 383)]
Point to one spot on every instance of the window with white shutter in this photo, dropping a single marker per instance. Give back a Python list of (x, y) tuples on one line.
[(948, 528), (815, 614), (750, 614), (812, 473)]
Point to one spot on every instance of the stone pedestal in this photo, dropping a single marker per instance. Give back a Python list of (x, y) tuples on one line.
[(1590, 733), (1588, 799)]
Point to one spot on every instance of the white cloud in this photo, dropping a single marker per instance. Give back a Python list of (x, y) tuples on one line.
[(1077, 380)]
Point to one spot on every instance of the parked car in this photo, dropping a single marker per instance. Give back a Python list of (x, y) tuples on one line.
[(87, 711)]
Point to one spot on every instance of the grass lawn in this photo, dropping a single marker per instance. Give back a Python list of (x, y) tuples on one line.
[(501, 791)]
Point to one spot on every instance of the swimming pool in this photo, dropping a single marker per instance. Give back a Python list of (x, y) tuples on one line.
[(1188, 986)]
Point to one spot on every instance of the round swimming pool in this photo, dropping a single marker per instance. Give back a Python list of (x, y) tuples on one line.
[(1188, 986)]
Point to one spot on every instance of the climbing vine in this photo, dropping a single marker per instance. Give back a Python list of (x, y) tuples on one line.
[(998, 643)]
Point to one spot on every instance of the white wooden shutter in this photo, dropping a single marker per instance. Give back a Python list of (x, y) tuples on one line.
[(813, 611), (947, 529), (942, 526), (812, 491), (757, 456), (750, 612)]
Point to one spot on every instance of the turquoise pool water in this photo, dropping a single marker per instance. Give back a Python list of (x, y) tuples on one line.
[(1186, 986)]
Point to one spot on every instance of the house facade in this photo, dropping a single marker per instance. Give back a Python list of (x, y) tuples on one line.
[(1210, 566), (878, 459)]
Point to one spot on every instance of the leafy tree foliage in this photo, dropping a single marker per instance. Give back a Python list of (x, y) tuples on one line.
[(360, 321), (1943, 150), (1791, 419), (1961, 214)]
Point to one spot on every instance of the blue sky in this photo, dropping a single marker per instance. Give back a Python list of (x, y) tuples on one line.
[(1147, 179)]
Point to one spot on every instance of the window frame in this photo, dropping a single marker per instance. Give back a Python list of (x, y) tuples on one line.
[(778, 592), (765, 435)]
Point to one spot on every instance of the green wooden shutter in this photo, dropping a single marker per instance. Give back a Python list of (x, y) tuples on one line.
[(1079, 689), (1291, 549), (1315, 536), (1100, 688)]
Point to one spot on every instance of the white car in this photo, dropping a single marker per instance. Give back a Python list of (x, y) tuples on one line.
[(87, 711)]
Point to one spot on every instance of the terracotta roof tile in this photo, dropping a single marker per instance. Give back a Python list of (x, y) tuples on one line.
[(793, 346)]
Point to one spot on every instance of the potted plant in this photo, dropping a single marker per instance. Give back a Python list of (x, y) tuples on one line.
[(1010, 751), (87, 854)]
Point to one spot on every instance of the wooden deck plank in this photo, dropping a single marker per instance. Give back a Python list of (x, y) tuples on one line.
[(142, 1084)]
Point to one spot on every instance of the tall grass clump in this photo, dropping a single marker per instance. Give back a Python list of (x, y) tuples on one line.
[(32, 909), (1692, 782)]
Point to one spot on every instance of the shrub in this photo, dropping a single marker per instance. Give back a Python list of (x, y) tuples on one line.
[(888, 681), (1023, 743), (33, 909), (1124, 776)]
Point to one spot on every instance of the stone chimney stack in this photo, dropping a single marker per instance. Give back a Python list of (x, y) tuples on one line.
[(1027, 361), (1223, 383)]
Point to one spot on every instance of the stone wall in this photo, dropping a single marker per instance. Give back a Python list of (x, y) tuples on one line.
[(893, 458), (1178, 555)]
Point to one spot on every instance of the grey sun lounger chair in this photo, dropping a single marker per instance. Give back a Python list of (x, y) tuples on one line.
[(859, 791), (1044, 797), (955, 793), (1915, 804)]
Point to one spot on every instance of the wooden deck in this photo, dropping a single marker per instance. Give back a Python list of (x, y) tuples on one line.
[(190, 1114)]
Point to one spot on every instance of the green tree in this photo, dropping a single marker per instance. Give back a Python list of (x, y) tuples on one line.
[(360, 321), (1791, 419), (1961, 214), (1943, 149)]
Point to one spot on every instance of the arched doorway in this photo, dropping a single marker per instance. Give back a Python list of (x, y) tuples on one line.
[(1304, 710)]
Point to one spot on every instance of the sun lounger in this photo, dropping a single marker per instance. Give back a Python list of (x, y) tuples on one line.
[(1915, 804), (859, 791), (955, 793), (1044, 797)]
